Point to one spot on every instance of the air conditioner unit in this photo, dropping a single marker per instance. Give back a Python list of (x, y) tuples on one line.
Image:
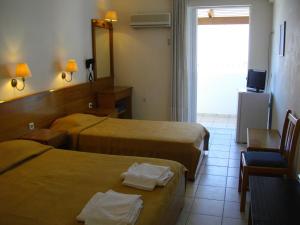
[(150, 20)]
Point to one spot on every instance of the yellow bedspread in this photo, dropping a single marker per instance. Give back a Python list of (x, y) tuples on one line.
[(177, 141), (53, 187)]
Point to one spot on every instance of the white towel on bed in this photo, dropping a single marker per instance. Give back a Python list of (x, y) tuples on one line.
[(146, 176), (111, 208)]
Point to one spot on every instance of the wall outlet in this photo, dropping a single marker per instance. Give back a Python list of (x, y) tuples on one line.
[(90, 105), (31, 126)]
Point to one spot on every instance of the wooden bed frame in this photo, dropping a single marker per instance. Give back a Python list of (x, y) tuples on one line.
[(44, 107)]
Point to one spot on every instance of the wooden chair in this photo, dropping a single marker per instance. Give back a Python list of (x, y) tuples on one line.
[(265, 140), (270, 163)]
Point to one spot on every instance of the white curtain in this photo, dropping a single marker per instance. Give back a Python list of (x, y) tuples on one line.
[(183, 91)]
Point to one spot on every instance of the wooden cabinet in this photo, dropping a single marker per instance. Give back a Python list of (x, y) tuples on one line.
[(117, 98)]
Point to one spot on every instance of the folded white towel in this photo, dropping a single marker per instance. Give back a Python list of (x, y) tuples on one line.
[(146, 176), (111, 208)]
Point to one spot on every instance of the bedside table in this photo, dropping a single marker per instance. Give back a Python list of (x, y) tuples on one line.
[(106, 112), (117, 97), (57, 139)]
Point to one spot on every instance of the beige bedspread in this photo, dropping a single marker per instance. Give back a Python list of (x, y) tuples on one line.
[(53, 187), (182, 142)]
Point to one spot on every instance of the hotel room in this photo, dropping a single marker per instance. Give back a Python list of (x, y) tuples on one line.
[(99, 123)]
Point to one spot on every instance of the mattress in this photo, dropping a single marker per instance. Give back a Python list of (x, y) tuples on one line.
[(50, 186), (181, 142)]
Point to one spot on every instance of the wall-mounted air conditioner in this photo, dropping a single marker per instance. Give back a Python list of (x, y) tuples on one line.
[(151, 20)]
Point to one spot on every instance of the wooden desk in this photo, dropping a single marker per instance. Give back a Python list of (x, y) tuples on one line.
[(118, 98), (262, 140), (274, 201)]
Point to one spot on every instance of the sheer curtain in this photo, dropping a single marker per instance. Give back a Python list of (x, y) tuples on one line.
[(183, 82)]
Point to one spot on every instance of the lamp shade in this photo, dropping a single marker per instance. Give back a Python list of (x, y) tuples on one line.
[(22, 70), (111, 16), (71, 66)]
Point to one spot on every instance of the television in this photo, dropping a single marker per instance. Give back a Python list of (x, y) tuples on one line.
[(256, 80)]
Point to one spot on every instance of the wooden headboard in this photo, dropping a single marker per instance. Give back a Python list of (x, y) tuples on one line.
[(44, 107)]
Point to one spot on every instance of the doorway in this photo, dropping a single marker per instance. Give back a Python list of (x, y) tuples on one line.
[(222, 64)]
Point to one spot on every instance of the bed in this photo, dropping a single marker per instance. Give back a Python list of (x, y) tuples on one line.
[(181, 142), (47, 186)]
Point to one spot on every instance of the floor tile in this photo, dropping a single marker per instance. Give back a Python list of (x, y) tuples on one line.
[(216, 162), (234, 163), (234, 155), (183, 218), (232, 182), (235, 147), (213, 186), (222, 130), (218, 154), (211, 180), (224, 148), (197, 219), (222, 136), (230, 221), (214, 170), (220, 124), (232, 210), (221, 141), (208, 207), (210, 192), (232, 195), (233, 172)]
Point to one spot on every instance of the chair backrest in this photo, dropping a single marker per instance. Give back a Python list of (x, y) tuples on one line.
[(289, 137)]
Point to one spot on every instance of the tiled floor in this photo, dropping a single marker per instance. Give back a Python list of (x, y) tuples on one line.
[(213, 198)]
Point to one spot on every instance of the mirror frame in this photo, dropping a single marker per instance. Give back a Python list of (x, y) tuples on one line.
[(97, 23)]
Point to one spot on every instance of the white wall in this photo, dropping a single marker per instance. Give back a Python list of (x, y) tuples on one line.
[(286, 70), (45, 34), (143, 59)]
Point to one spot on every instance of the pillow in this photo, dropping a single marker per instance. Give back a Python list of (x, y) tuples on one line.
[(16, 151), (76, 122)]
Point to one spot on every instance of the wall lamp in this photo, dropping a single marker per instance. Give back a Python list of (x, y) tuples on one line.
[(71, 67), (22, 71), (111, 16)]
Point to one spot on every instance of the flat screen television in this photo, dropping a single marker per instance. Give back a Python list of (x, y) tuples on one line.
[(256, 80)]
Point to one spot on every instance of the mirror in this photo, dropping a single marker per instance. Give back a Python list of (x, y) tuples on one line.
[(102, 49)]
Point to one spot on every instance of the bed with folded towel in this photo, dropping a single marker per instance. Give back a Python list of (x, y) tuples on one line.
[(146, 176), (111, 208), (181, 142), (46, 186)]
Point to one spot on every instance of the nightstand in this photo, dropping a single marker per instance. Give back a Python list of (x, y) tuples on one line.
[(57, 139), (103, 112), (118, 98)]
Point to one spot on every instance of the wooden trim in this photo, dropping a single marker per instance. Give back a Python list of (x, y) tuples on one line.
[(223, 20), (96, 23), (44, 107)]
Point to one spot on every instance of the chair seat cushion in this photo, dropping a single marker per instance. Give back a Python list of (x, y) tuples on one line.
[(265, 159)]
